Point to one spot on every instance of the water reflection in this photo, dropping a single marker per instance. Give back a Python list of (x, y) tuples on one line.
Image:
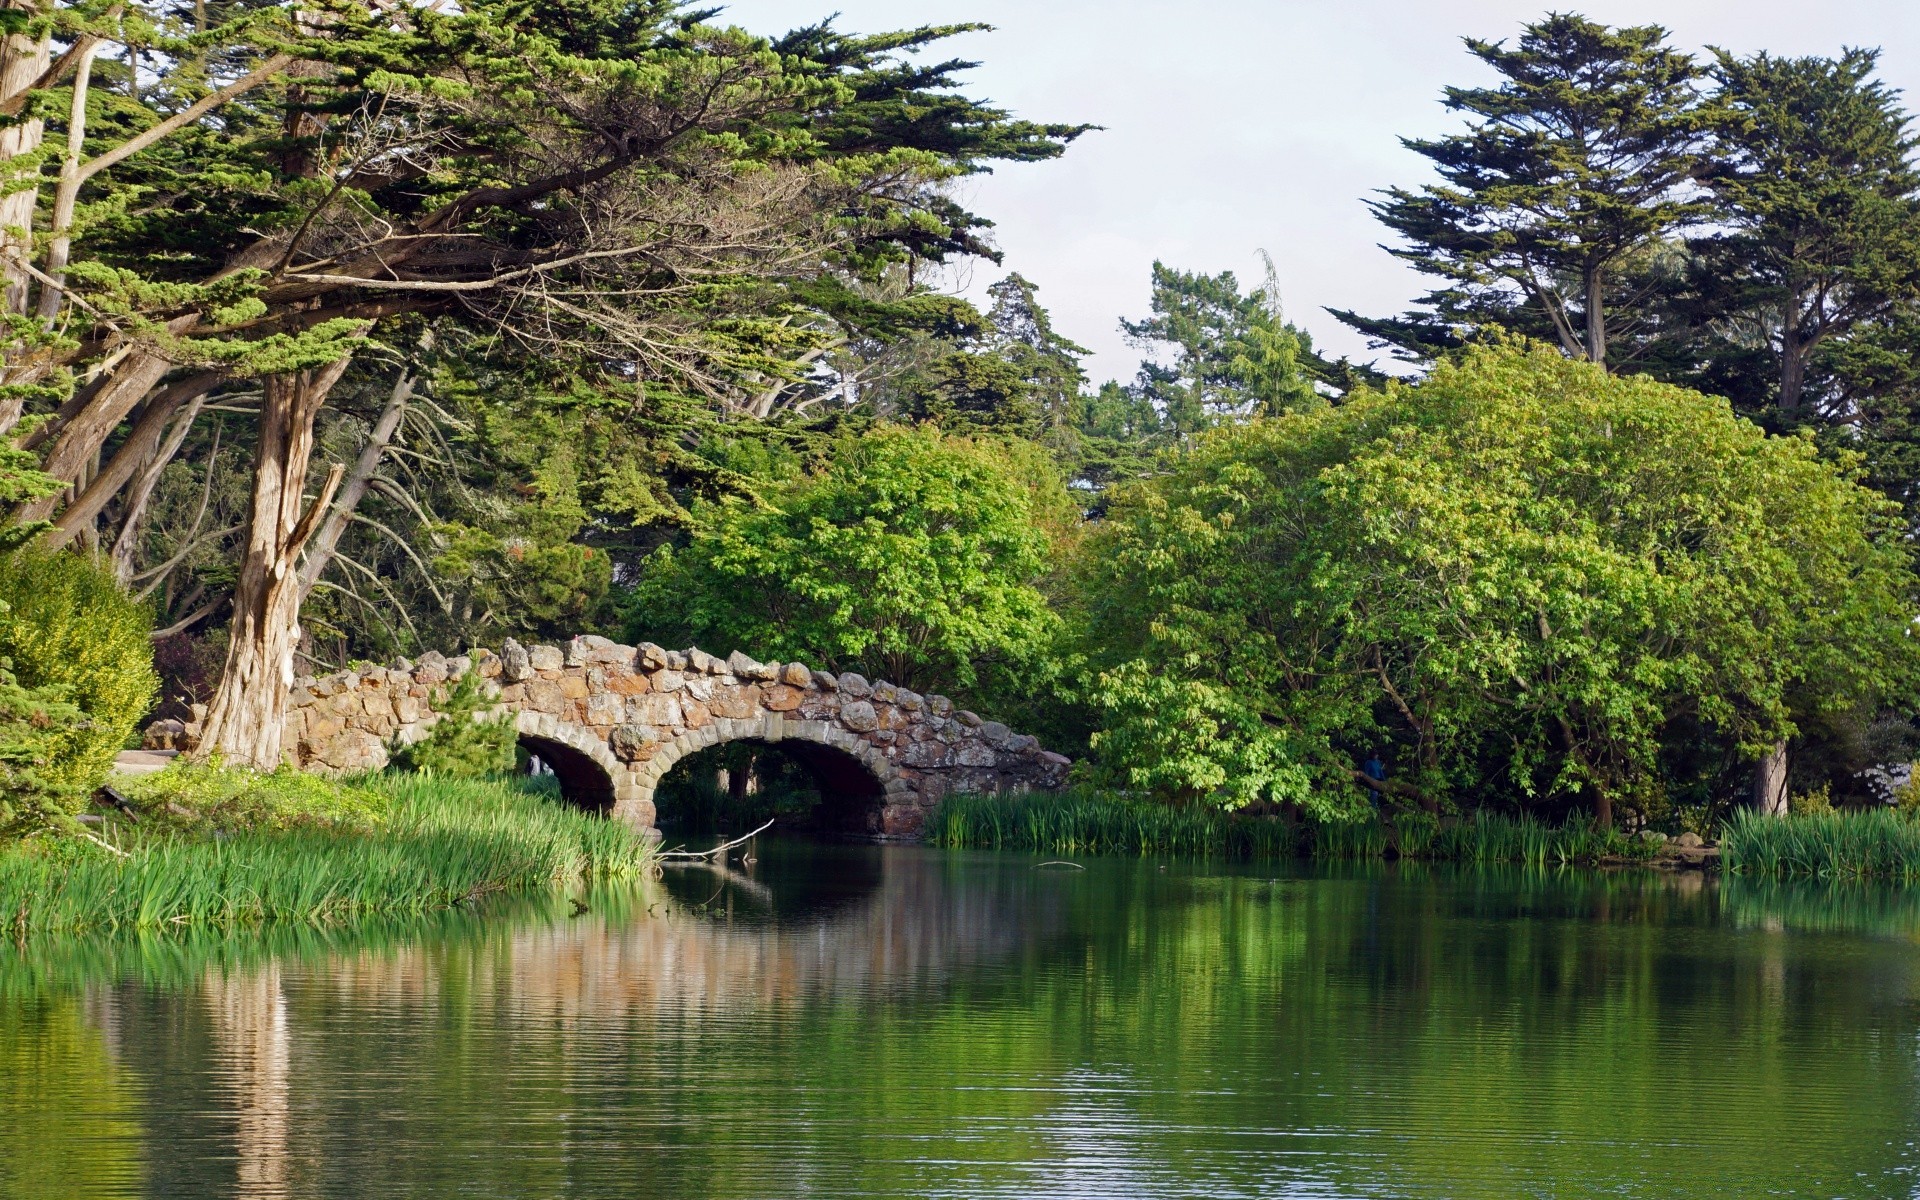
[(853, 1021)]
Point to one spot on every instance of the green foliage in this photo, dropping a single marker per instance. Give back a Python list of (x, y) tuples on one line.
[(466, 742), (1519, 577), (81, 679), (1832, 844), (443, 844), (206, 798), (912, 556), (1576, 161)]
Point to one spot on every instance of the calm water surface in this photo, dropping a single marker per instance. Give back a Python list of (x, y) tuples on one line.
[(853, 1021)]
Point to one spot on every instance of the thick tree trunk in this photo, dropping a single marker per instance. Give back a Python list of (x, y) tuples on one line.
[(24, 59), (243, 725), (1794, 349), (355, 489), (1770, 782)]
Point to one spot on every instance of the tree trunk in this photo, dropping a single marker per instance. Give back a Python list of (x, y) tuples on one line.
[(23, 59), (1793, 358), (243, 725), (355, 489), (1596, 317), (1602, 807), (1770, 782)]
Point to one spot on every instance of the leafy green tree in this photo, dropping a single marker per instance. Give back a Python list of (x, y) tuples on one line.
[(1518, 578), (912, 555), (1573, 168)]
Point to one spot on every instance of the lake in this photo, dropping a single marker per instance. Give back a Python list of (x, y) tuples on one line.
[(866, 1021)]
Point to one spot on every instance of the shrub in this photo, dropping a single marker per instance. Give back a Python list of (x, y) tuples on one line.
[(81, 677), (204, 797), (465, 743)]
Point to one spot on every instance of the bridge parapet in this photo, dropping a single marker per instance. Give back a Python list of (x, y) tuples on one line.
[(613, 719)]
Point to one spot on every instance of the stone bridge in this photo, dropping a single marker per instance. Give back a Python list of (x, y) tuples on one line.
[(612, 720)]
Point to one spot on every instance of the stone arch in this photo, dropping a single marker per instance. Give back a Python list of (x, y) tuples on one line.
[(589, 775), (839, 759)]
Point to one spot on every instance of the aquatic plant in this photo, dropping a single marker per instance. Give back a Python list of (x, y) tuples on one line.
[(1859, 844)]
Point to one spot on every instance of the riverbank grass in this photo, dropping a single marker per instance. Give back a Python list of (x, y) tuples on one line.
[(386, 846), (1081, 821), (1878, 843)]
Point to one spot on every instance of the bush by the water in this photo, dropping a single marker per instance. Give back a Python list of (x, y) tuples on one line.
[(1837, 844), (1081, 821), (76, 676), (434, 844), (464, 743)]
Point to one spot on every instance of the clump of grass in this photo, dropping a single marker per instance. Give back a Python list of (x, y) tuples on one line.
[(191, 797), (442, 843), (1861, 844)]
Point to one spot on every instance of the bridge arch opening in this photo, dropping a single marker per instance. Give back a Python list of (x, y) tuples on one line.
[(803, 785), (579, 762)]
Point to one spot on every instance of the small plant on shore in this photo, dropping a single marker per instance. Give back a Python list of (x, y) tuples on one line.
[(190, 797), (1875, 843), (466, 742)]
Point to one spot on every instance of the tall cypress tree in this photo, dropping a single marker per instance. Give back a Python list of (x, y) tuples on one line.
[(1818, 234), (1580, 160)]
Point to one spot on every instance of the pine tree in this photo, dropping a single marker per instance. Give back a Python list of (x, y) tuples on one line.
[(1579, 160)]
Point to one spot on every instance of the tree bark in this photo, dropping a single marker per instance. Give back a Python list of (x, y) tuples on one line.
[(1596, 317), (1770, 782), (355, 489), (24, 59), (244, 723), (1794, 350)]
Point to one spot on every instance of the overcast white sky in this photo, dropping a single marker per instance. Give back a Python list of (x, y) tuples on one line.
[(1232, 125)]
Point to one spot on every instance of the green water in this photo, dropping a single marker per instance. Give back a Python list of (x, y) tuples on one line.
[(898, 1022)]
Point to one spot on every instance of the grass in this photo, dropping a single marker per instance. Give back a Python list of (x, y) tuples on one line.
[(429, 844), (1078, 821), (1836, 845)]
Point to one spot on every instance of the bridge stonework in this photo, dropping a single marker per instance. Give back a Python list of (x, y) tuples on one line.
[(612, 720)]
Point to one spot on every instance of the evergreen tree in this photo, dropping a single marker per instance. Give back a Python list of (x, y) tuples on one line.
[(1573, 167)]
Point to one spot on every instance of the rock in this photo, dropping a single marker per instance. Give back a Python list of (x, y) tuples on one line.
[(970, 720), (651, 657), (401, 666), (825, 681), (884, 692), (994, 733), (573, 654), (1653, 837), (1689, 841), (855, 685), (706, 664), (911, 701), (629, 742), (165, 734), (795, 675), (517, 663), (431, 669), (1022, 743), (974, 755), (858, 715), (458, 667), (746, 668), (669, 681), (486, 662), (1049, 758), (939, 706), (545, 658), (781, 698)]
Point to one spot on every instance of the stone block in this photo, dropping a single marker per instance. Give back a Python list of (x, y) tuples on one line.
[(974, 754), (629, 742), (939, 706), (657, 710), (299, 697), (911, 701), (573, 685), (700, 687), (605, 709), (628, 685), (733, 700), (746, 668), (375, 703), (825, 681), (706, 664), (781, 698), (514, 693), (795, 675), (858, 715), (695, 714), (855, 685), (650, 657), (545, 658), (516, 665), (892, 716), (970, 720), (995, 733), (408, 710), (458, 666), (676, 660), (884, 692), (669, 681), (545, 695)]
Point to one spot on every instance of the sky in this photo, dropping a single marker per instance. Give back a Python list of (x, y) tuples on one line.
[(1233, 126)]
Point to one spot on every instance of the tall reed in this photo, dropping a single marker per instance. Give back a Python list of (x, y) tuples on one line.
[(1079, 821), (443, 843), (1872, 844)]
